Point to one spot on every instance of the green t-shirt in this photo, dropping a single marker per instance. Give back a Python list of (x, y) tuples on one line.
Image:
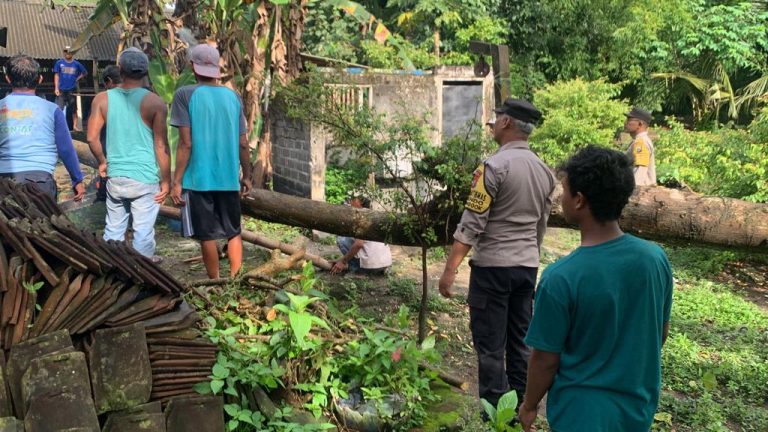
[(603, 309)]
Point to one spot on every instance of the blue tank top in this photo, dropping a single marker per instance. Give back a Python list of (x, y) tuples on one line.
[(27, 134), (130, 143)]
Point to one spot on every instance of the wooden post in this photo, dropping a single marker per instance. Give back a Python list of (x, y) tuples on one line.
[(500, 61), (95, 76)]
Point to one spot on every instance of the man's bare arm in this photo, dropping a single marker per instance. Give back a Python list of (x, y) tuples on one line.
[(160, 135), (95, 123), (542, 368), (183, 152)]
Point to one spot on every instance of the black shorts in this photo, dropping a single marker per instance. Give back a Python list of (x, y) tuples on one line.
[(211, 215)]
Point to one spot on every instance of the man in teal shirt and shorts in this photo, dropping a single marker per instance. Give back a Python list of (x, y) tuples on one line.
[(213, 146), (601, 314)]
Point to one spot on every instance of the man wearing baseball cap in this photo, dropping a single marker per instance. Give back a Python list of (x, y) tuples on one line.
[(213, 146), (138, 161), (504, 221), (67, 72), (641, 149)]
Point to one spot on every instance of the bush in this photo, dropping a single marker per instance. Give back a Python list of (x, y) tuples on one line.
[(340, 182), (576, 113), (724, 162)]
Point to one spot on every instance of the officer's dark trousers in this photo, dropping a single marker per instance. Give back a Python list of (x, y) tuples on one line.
[(500, 307)]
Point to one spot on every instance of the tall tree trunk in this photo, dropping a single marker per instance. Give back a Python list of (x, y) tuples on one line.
[(285, 66), (252, 96), (424, 307)]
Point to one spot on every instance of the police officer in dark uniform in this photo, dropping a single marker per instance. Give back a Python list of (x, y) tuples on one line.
[(504, 221)]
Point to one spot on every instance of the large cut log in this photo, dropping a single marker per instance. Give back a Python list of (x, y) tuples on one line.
[(652, 212)]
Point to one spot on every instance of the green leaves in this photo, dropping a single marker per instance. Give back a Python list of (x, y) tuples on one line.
[(428, 343), (501, 415), (300, 324), (576, 113)]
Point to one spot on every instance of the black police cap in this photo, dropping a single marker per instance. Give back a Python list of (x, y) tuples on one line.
[(520, 109), (640, 114)]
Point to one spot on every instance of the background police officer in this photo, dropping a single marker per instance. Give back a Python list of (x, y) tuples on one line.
[(504, 220), (641, 149)]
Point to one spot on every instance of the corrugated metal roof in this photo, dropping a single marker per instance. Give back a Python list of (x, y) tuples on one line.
[(41, 32)]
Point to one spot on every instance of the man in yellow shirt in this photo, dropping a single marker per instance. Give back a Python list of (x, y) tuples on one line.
[(641, 149)]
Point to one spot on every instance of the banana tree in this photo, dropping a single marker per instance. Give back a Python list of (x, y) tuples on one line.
[(259, 41)]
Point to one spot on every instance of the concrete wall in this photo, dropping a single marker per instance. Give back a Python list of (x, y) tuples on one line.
[(300, 151)]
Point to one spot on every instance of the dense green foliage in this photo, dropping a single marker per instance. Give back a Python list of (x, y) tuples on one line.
[(303, 346), (726, 161), (576, 113), (715, 362), (699, 65)]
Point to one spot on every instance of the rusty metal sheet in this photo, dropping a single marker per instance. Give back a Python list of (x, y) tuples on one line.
[(55, 373), (23, 354), (119, 380), (200, 414), (11, 424), (135, 423)]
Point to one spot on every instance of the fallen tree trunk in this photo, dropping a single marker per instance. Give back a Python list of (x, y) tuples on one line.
[(652, 212)]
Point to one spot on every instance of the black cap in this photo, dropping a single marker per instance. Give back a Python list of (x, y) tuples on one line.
[(640, 114), (520, 109)]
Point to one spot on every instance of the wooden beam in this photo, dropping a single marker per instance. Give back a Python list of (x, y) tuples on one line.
[(500, 61)]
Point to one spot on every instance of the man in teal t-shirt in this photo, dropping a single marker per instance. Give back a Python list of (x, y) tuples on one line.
[(213, 146), (601, 313)]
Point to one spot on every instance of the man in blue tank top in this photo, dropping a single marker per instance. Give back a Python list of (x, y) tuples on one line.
[(601, 313), (212, 142), (138, 162), (34, 133)]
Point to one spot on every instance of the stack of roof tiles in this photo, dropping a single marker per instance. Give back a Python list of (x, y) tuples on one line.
[(92, 329)]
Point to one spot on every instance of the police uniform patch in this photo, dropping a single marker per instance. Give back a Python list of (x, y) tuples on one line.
[(642, 153), (479, 201)]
